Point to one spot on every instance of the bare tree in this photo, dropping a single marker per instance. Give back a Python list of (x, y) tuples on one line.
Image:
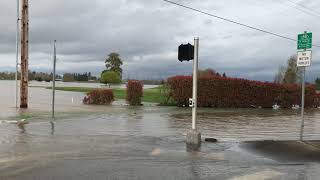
[(207, 73), (290, 74), (280, 75)]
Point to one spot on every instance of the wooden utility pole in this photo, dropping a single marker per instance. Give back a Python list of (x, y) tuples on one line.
[(24, 54)]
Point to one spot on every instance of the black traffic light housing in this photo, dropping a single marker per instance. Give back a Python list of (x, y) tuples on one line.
[(186, 52)]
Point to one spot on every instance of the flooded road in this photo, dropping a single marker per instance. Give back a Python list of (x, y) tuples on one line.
[(120, 142)]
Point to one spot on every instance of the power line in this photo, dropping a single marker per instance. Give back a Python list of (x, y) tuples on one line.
[(304, 11), (234, 22), (314, 13), (296, 6)]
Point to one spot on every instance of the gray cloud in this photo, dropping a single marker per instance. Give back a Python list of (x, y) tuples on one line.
[(147, 32)]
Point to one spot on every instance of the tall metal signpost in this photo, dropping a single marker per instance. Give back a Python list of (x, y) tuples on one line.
[(303, 60), (188, 52)]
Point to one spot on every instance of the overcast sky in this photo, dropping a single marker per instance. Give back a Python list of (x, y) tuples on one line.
[(147, 33)]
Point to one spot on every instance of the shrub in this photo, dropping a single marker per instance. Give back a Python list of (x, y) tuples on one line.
[(318, 100), (317, 82), (134, 93), (238, 93), (110, 77), (38, 79), (99, 97)]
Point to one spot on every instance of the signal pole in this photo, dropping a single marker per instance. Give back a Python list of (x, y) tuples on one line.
[(24, 54), (193, 135), (195, 84)]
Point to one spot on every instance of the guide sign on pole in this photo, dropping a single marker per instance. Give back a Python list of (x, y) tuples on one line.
[(305, 41), (303, 60)]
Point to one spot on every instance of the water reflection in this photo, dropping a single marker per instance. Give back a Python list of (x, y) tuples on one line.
[(22, 128), (194, 169), (52, 127)]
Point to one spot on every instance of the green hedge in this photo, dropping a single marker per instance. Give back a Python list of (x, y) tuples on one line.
[(99, 97)]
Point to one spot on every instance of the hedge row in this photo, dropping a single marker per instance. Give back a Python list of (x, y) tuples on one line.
[(134, 92), (99, 97), (239, 93)]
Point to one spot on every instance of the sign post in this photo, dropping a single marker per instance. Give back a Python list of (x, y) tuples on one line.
[(302, 102), (303, 60)]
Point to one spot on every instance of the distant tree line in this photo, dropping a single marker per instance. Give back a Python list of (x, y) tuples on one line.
[(32, 76), (7, 75), (152, 82), (43, 76), (71, 77)]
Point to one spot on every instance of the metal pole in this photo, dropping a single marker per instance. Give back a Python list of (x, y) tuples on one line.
[(302, 102), (54, 78), (17, 53), (195, 82)]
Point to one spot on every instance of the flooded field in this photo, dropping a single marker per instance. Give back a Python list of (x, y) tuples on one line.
[(121, 142), (78, 84), (227, 124)]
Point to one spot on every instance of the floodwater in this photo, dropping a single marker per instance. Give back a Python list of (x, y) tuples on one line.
[(121, 142), (79, 84)]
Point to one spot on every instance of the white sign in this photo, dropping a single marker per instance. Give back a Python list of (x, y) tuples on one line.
[(304, 58)]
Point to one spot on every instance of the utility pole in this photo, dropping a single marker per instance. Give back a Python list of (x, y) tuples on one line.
[(24, 54), (17, 53)]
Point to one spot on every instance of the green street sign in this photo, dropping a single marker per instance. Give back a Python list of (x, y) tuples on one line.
[(305, 41)]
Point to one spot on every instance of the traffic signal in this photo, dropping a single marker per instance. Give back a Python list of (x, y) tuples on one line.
[(186, 52)]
